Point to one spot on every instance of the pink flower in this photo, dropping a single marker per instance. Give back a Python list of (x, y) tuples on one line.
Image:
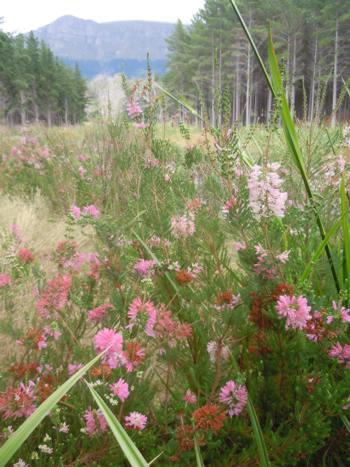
[(136, 421), (238, 246), (235, 396), (229, 205), (190, 397), (283, 257), (95, 422), (75, 211), (109, 339), (55, 296), (144, 267), (341, 353), (91, 210), (134, 109), (217, 352), (120, 389), (82, 158), (25, 255), (265, 196), (5, 280), (183, 226), (82, 171), (18, 402), (98, 313), (140, 125), (136, 307), (295, 309)]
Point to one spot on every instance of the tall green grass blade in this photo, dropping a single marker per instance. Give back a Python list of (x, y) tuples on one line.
[(199, 458), (333, 230), (275, 83), (25, 430), (126, 444), (346, 237), (346, 422), (258, 435), (257, 431)]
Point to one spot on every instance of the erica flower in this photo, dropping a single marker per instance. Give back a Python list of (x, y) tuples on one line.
[(283, 257), (95, 422), (55, 296), (98, 313), (235, 396), (18, 401), (209, 417), (5, 280), (148, 309), (136, 421), (217, 351), (341, 353), (144, 267), (75, 211), (190, 397), (265, 196), (120, 389), (45, 449), (183, 226), (134, 109), (133, 355), (111, 340), (295, 309), (25, 255), (238, 246), (92, 211)]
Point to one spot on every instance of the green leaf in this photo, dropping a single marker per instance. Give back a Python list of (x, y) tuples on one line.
[(333, 230), (25, 430), (346, 237), (346, 422), (126, 444), (199, 458), (258, 435)]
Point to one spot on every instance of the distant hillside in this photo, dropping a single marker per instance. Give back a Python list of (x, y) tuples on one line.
[(108, 47)]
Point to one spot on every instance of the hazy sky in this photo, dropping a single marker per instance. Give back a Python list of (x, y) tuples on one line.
[(24, 15)]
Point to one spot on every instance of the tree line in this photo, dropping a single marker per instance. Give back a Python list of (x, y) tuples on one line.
[(35, 86), (211, 64)]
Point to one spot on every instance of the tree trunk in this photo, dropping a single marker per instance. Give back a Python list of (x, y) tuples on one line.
[(238, 87), (294, 65), (23, 110), (312, 90), (335, 74), (212, 84), (248, 97)]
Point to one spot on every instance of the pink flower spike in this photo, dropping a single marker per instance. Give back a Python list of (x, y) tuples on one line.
[(295, 309), (75, 211), (190, 397), (92, 211), (109, 339), (136, 421), (120, 389), (235, 396), (5, 280)]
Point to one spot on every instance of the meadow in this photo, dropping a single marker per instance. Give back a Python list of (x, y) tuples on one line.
[(175, 298)]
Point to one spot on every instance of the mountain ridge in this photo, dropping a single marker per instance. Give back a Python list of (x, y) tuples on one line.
[(79, 40)]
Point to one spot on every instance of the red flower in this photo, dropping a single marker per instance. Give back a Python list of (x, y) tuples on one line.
[(209, 417)]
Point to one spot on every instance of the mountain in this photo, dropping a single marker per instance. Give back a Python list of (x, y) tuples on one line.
[(108, 47)]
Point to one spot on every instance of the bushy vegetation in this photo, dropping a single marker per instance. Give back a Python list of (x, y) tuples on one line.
[(201, 280), (205, 317)]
